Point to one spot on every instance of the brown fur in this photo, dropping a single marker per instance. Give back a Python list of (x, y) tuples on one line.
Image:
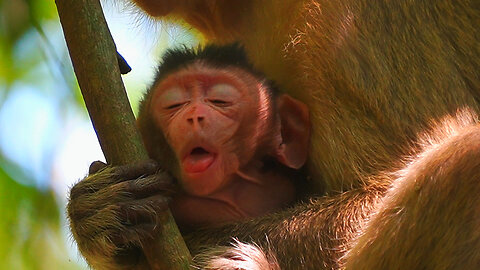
[(375, 76), (431, 214), (94, 209), (372, 74)]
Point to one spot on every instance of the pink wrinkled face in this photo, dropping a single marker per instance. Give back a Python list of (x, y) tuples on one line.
[(212, 119)]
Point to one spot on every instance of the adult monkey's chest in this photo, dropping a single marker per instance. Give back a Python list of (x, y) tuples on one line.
[(366, 71)]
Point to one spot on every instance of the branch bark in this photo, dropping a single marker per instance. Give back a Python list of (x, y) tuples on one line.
[(93, 55)]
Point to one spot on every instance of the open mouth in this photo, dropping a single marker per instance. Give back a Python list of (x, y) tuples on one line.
[(198, 160)]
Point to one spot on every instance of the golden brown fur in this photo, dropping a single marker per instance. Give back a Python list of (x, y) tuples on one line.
[(372, 74), (377, 76), (431, 214)]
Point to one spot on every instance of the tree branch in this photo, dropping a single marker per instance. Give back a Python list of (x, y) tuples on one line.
[(93, 55)]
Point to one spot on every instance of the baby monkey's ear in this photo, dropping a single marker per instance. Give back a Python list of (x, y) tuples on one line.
[(295, 132)]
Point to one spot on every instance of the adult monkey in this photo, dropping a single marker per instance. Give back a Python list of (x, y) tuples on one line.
[(376, 75)]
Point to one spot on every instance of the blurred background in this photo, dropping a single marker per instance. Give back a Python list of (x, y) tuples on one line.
[(46, 139)]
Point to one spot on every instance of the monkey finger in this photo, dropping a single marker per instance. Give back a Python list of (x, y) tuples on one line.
[(134, 235), (118, 217), (103, 177), (99, 222), (96, 166), (160, 183), (157, 184), (135, 170), (95, 181), (143, 211), (86, 203), (113, 242)]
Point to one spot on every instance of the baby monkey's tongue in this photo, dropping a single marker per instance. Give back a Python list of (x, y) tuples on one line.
[(198, 160)]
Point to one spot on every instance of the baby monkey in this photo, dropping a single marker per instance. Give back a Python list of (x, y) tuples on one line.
[(231, 140), (237, 142)]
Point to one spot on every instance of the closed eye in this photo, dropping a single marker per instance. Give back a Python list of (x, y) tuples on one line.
[(219, 102), (173, 106)]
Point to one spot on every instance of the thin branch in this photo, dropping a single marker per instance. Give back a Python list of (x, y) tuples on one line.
[(93, 55)]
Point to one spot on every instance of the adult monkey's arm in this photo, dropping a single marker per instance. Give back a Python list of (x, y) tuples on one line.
[(92, 51)]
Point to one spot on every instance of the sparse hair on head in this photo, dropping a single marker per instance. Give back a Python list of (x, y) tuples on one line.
[(216, 56)]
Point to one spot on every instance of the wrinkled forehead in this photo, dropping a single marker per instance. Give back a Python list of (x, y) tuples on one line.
[(203, 72), (199, 72)]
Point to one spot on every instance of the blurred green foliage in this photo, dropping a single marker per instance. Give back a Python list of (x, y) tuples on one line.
[(29, 227), (17, 18), (31, 234)]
